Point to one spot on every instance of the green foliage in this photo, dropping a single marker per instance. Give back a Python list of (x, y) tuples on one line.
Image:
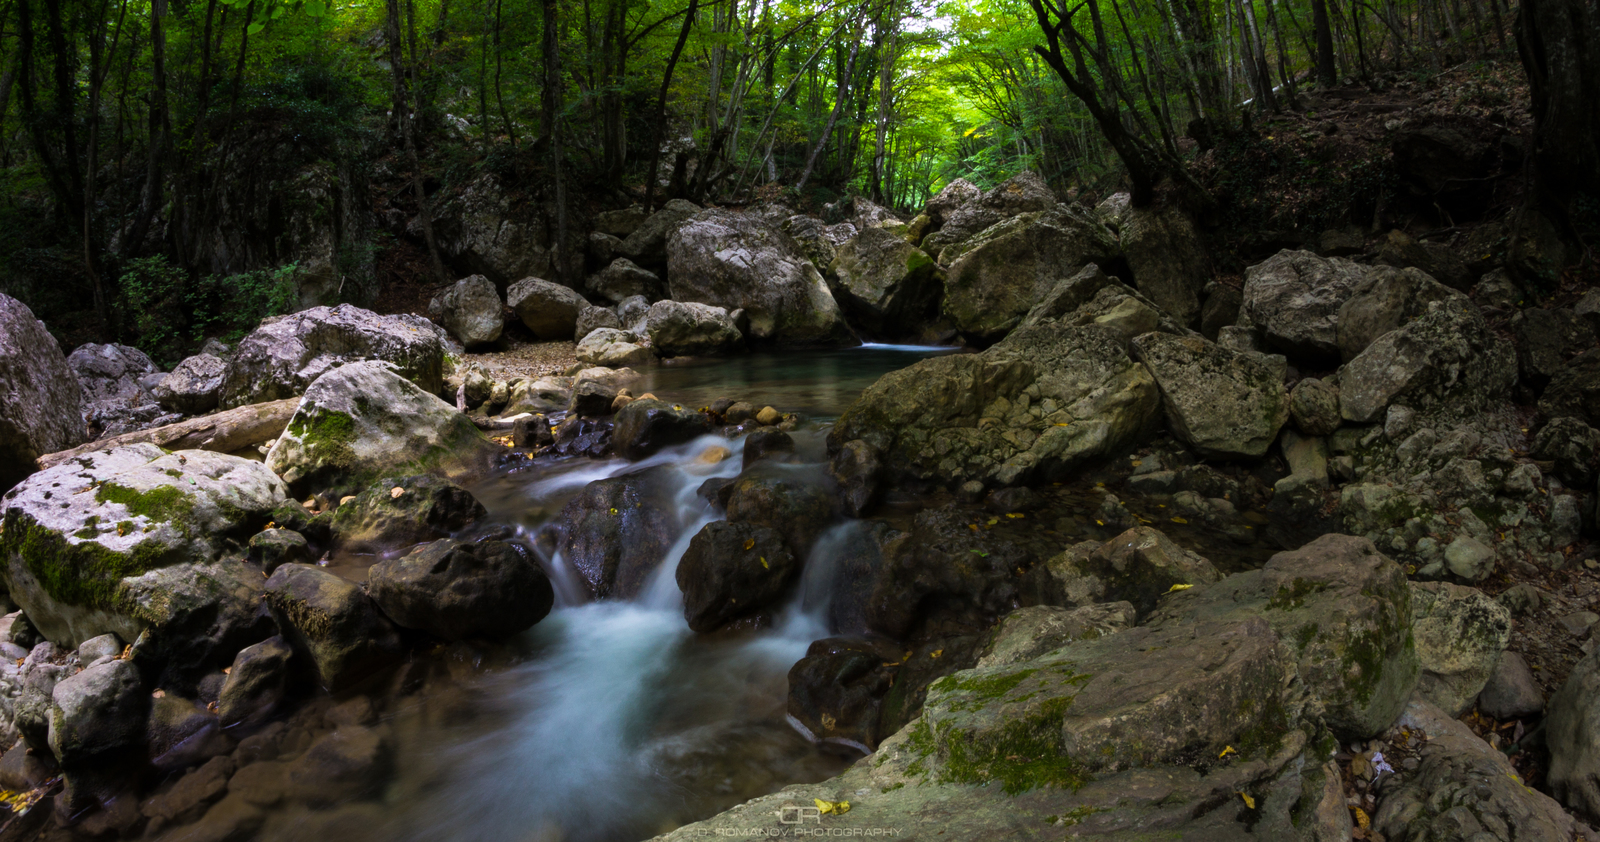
[(168, 309)]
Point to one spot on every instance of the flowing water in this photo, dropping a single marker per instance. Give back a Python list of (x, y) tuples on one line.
[(611, 720)]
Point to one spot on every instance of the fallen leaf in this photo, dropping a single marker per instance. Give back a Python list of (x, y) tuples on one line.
[(764, 564), (1176, 519), (1362, 820), (1179, 588), (749, 543), (936, 653), (1248, 801), (1226, 750)]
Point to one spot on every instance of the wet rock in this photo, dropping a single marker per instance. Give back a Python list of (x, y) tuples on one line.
[(457, 590), (546, 394), (351, 763), (97, 711), (232, 818), (623, 279), (648, 244), (646, 426), (255, 683), (886, 282), (1139, 566), (396, 512), (1511, 692), (363, 421), (1460, 635), (836, 691), (859, 472), (1027, 633), (679, 329), (591, 319), (611, 348), (333, 623), (548, 309), (272, 548), (792, 506), (1572, 445), (286, 354), (1294, 297), (1574, 390), (182, 733), (1221, 403), (1446, 358), (1030, 409), (1169, 263), (616, 531), (41, 403), (191, 793), (1002, 272), (1314, 406), (738, 261), (89, 540), (470, 310), (732, 570), (1385, 300), (775, 445), (194, 387)]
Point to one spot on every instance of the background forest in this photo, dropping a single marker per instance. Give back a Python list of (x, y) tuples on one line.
[(180, 168)]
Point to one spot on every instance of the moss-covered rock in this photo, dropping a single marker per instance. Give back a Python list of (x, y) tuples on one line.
[(1222, 403), (396, 512), (1460, 633), (334, 624), (1446, 359), (76, 536), (889, 285), (363, 421), (1032, 408)]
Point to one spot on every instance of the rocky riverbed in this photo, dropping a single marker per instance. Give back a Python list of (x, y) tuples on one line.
[(1146, 557)]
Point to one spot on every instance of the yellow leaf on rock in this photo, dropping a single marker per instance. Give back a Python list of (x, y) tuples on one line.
[(1227, 750), (764, 564), (1362, 820), (936, 653), (1176, 588), (1248, 801), (749, 543), (1176, 519), (834, 807)]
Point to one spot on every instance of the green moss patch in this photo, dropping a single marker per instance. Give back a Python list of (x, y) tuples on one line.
[(164, 503), (84, 574)]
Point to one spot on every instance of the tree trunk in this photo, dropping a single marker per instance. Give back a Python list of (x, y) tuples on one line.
[(1559, 41), (1327, 74), (403, 113), (661, 105), (833, 117), (223, 432)]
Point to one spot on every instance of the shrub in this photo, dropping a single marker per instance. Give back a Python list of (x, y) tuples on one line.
[(167, 309)]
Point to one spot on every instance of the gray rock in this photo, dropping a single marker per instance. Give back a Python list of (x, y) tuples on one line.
[(115, 399), (1464, 789), (95, 649), (1028, 633), (632, 311), (255, 683), (351, 762), (738, 261), (1574, 390), (622, 279), (611, 348), (79, 536), (1221, 403), (679, 329), (97, 711), (1220, 310), (1090, 297), (888, 284), (1566, 521), (1023, 193), (1511, 692), (284, 355), (790, 504), (394, 513), (457, 590), (1468, 558), (1385, 300), (816, 242), (859, 472), (1461, 633), (1314, 406), (486, 230), (603, 248), (1496, 291), (620, 223), (644, 427), (999, 274), (1446, 358), (1438, 260), (41, 403), (272, 548), (924, 421), (647, 244), (1572, 733), (1139, 567), (1573, 445), (948, 200), (194, 387), (615, 532), (334, 624), (593, 318), (470, 310), (364, 420), (1169, 264), (546, 394), (1294, 297), (548, 309), (732, 570)]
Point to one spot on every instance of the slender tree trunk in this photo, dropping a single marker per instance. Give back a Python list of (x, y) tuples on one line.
[(499, 91), (403, 111), (550, 121), (886, 60), (1327, 73), (160, 128), (833, 118), (661, 105)]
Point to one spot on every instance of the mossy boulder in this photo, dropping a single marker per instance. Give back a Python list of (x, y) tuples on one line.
[(1004, 270), (333, 623), (1461, 634), (397, 512), (1029, 409), (887, 284), (363, 421), (1447, 359), (85, 541), (1224, 404)]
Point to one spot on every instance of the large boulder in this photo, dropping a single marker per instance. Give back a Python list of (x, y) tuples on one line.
[(1445, 359), (732, 570), (948, 200), (616, 531), (643, 427), (284, 355), (622, 279), (99, 544), (611, 348), (648, 244), (194, 386), (1546, 340), (1461, 633), (116, 381), (330, 621), (792, 504), (593, 318), (1385, 300), (1222, 403), (364, 420), (1003, 271), (1032, 408), (397, 512), (256, 682), (680, 329), (97, 711), (739, 261), (1168, 261), (889, 285), (1573, 735), (548, 309), (484, 230), (1023, 193), (456, 590), (41, 403), (1091, 297), (470, 310), (1294, 297)]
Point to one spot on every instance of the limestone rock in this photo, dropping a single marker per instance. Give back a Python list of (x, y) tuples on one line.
[(333, 623), (456, 590), (679, 329), (397, 512), (194, 386), (1028, 633), (1446, 358), (611, 348), (548, 309), (1511, 692), (1460, 635), (41, 403), (1139, 567), (1294, 298), (592, 318), (1314, 406), (1168, 261), (1574, 390), (645, 426), (1220, 402), (1386, 300), (97, 711), (284, 355), (647, 244), (616, 531), (255, 683), (622, 279), (470, 310), (116, 382), (888, 284)]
